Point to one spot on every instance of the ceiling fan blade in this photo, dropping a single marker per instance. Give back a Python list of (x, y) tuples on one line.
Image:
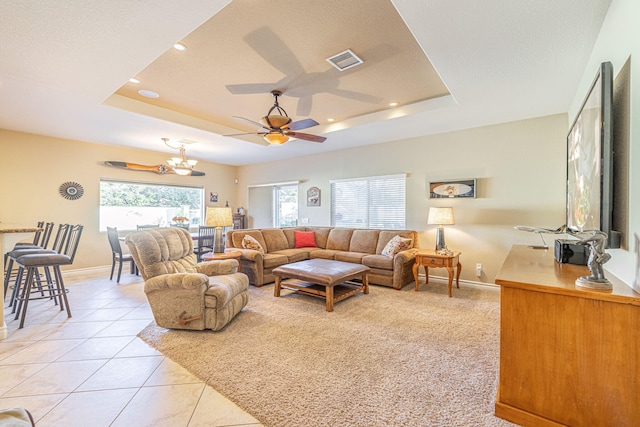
[(306, 136), (260, 125), (273, 50), (304, 105), (303, 124), (250, 88), (247, 133)]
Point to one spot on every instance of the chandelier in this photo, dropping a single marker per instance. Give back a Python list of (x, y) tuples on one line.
[(181, 165)]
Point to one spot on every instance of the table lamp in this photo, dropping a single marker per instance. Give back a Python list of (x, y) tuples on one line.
[(440, 217), (219, 217)]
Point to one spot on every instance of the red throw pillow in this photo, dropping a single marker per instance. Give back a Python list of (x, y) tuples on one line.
[(305, 239)]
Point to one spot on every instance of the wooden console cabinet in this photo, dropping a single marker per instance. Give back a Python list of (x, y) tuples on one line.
[(568, 356)]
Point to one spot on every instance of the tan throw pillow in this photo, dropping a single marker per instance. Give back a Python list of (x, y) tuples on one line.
[(249, 242), (395, 245)]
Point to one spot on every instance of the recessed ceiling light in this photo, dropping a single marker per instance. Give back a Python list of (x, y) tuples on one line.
[(331, 119), (393, 104), (148, 93), (179, 46), (132, 80)]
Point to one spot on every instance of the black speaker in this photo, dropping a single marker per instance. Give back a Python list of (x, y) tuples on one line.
[(567, 252)]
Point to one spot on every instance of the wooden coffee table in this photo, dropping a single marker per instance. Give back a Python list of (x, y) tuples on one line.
[(323, 278)]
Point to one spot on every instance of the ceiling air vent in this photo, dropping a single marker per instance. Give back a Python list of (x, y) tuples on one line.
[(344, 60)]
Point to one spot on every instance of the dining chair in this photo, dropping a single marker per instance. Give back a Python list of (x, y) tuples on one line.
[(205, 242), (54, 285), (185, 226), (146, 226), (117, 256)]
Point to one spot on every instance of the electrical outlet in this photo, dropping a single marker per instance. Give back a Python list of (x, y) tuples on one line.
[(304, 220), (478, 269)]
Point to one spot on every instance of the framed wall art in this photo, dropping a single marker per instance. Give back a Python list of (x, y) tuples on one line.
[(313, 196), (452, 189)]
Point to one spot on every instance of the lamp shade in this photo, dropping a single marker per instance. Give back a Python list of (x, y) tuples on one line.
[(219, 217), (275, 138), (440, 216)]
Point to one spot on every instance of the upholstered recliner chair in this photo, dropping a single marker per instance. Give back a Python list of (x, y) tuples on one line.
[(182, 293)]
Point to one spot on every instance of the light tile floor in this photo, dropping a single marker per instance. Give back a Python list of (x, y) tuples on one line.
[(92, 369)]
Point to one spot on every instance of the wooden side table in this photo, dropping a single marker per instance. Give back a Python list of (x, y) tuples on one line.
[(431, 258), (230, 254)]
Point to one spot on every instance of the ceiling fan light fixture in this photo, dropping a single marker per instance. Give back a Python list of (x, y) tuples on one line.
[(275, 138), (275, 121)]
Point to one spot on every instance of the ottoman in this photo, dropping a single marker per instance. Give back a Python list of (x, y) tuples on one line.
[(323, 278)]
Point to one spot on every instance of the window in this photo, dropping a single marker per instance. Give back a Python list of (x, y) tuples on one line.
[(373, 202), (126, 204), (274, 205), (286, 205)]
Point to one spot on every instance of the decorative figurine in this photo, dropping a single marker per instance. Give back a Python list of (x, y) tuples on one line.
[(597, 242)]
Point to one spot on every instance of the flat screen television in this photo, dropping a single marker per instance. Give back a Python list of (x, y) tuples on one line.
[(590, 161)]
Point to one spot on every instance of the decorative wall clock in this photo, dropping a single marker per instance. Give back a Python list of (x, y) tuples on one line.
[(71, 190)]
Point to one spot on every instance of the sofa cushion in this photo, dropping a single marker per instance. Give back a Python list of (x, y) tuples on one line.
[(339, 239), (237, 237), (395, 245), (324, 254), (275, 239), (378, 261), (364, 241), (294, 255), (275, 260), (322, 234), (386, 235), (249, 242), (353, 257), (305, 239)]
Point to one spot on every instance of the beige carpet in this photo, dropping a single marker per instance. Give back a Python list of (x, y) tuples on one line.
[(390, 358)]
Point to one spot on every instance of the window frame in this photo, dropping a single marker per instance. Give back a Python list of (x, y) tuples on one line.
[(102, 227)]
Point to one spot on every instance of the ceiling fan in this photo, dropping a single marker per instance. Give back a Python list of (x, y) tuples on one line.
[(278, 127)]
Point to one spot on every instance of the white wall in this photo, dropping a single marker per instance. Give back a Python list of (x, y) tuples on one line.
[(32, 167), (520, 168), (618, 42)]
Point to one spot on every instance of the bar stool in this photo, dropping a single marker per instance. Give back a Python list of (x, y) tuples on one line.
[(54, 285), (40, 241), (58, 246), (24, 249)]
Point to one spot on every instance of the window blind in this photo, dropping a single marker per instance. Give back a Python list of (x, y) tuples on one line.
[(372, 202)]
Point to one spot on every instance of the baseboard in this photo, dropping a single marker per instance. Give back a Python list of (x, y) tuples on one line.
[(86, 270), (468, 283)]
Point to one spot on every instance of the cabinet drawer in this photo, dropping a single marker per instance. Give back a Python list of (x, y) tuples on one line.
[(433, 262)]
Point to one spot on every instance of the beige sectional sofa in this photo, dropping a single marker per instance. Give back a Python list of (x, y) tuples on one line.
[(361, 246)]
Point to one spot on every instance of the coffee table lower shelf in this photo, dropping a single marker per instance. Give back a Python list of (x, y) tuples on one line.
[(331, 294)]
